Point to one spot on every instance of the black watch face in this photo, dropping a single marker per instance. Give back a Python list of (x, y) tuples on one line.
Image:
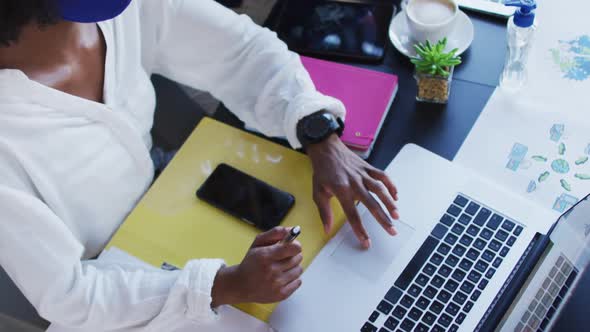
[(318, 127)]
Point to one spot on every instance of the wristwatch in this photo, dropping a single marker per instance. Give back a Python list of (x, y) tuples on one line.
[(318, 126)]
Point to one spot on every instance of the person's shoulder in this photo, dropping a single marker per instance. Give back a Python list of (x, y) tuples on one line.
[(17, 93), (13, 170), (139, 17), (11, 79), (15, 97)]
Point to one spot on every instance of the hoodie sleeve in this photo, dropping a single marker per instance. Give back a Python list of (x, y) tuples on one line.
[(43, 259), (209, 47)]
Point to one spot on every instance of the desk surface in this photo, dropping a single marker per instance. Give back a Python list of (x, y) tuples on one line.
[(442, 129)]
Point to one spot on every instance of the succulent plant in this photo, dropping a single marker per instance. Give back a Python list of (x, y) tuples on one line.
[(433, 60)]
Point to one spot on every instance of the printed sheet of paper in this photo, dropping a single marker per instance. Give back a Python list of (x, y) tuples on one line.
[(537, 141), (559, 62), (535, 148)]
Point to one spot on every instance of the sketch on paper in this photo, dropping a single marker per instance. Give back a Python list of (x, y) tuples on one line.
[(573, 58), (558, 164), (564, 202)]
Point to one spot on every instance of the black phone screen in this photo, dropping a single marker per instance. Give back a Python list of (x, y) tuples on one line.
[(336, 29), (246, 197)]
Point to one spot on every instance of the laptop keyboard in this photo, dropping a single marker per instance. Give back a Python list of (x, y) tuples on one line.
[(549, 296), (446, 276)]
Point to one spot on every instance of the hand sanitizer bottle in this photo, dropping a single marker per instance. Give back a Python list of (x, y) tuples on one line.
[(521, 29)]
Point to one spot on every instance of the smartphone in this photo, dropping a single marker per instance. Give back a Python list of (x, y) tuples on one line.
[(246, 197)]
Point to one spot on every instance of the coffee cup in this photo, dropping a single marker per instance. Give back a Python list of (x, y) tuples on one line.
[(431, 20)]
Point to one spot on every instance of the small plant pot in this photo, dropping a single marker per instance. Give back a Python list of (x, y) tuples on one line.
[(433, 88)]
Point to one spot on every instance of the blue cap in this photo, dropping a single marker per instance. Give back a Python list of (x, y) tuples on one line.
[(91, 11), (524, 16)]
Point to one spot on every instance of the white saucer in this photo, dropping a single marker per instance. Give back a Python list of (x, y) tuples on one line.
[(460, 38)]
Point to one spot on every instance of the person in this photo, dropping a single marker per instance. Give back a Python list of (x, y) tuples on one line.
[(76, 109)]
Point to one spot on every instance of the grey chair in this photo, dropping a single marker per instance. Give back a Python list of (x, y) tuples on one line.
[(14, 305), (176, 114)]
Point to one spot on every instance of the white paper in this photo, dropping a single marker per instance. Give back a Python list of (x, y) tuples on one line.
[(532, 147), (231, 319), (559, 62)]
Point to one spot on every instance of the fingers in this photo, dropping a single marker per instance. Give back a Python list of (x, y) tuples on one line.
[(289, 263), (281, 251), (381, 191), (287, 275), (291, 275), (377, 212), (382, 176), (270, 237), (262, 277), (347, 203), (289, 289), (322, 201)]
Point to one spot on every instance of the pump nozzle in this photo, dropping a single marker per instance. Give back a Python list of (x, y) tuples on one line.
[(524, 16)]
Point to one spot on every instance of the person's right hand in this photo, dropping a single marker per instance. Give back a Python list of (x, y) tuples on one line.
[(269, 273)]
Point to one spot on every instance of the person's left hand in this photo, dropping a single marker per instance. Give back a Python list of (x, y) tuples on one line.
[(341, 173)]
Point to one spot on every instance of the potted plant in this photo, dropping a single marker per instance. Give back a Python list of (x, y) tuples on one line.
[(434, 71)]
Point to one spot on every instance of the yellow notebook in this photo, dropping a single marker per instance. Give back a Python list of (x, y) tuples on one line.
[(171, 225)]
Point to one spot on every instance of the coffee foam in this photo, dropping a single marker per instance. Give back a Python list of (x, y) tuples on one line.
[(431, 11)]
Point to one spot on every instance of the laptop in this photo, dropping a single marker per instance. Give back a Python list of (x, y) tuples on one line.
[(469, 256)]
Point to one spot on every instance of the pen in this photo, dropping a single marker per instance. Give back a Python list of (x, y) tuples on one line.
[(293, 234)]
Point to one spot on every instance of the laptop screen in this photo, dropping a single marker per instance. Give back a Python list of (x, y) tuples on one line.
[(571, 234), (554, 278), (571, 237)]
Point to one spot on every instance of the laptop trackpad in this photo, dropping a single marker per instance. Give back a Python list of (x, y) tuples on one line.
[(371, 264)]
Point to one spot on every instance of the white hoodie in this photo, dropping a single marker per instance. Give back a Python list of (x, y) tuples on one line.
[(71, 169)]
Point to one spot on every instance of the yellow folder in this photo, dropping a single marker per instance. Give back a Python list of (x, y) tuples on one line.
[(171, 225)]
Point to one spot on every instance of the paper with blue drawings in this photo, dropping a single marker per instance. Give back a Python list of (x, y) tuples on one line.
[(559, 62), (535, 148)]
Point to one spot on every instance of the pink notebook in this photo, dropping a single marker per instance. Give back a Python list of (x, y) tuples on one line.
[(367, 95)]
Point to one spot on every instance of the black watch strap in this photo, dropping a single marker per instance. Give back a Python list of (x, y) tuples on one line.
[(318, 126)]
